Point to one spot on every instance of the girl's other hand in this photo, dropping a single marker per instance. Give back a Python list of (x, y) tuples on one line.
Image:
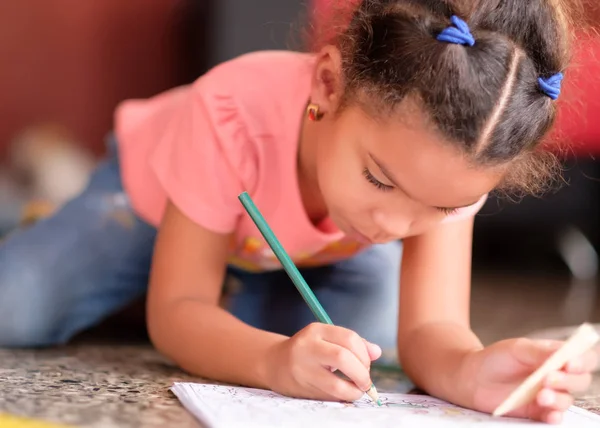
[(497, 370), (303, 365)]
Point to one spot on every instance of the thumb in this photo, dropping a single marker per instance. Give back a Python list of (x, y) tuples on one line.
[(374, 350), (534, 352)]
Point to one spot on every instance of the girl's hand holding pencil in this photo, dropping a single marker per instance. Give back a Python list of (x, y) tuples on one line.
[(311, 356), (302, 366)]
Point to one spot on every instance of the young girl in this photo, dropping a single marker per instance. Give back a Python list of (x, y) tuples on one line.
[(394, 131)]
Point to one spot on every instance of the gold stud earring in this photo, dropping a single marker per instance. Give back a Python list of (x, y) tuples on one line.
[(313, 112)]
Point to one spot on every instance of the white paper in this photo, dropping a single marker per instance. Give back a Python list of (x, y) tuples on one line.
[(233, 407)]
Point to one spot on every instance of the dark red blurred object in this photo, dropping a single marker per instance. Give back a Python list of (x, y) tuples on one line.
[(579, 115), (70, 61)]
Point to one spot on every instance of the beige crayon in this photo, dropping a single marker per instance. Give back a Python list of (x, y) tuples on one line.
[(582, 340)]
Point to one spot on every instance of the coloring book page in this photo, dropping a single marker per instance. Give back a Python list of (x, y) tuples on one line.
[(234, 407)]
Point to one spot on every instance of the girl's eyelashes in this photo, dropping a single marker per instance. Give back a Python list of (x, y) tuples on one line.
[(448, 211), (385, 187), (371, 179)]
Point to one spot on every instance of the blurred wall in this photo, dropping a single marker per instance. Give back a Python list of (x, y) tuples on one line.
[(241, 26), (71, 61)]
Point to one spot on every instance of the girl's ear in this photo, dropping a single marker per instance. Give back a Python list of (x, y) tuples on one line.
[(327, 85)]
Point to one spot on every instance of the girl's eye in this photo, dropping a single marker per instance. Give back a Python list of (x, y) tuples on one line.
[(448, 211), (375, 182), (371, 179)]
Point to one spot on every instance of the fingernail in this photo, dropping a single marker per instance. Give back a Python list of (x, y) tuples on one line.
[(375, 351), (377, 348), (546, 398)]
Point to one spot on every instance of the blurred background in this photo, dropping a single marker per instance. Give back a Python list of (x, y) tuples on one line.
[(67, 63)]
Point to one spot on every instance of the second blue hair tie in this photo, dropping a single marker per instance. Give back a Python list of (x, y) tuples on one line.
[(551, 86), (459, 33)]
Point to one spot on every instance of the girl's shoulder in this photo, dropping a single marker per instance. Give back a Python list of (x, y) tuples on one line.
[(263, 90), (264, 69)]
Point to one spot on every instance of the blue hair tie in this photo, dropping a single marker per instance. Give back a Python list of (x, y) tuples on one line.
[(551, 85), (458, 34)]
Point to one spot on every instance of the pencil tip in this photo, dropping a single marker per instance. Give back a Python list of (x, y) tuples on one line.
[(372, 392)]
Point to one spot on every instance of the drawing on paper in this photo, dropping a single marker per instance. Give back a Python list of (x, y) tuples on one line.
[(233, 407)]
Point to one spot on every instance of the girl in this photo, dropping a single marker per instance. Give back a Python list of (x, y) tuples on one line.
[(395, 130)]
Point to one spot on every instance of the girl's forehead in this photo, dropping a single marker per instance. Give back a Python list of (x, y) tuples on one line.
[(426, 166)]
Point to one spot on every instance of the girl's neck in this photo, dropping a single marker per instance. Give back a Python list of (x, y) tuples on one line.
[(312, 199)]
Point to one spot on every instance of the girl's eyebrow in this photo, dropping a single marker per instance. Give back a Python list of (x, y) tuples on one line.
[(386, 172)]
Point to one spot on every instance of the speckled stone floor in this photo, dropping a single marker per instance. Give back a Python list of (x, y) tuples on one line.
[(124, 383), (106, 386), (93, 386)]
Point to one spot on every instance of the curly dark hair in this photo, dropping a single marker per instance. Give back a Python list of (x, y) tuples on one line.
[(485, 98)]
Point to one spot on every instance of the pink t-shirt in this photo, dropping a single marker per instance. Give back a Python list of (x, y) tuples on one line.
[(235, 129)]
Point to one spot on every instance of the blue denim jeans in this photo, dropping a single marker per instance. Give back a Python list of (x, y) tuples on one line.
[(68, 272)]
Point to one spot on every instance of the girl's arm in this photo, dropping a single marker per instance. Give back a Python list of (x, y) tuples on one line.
[(184, 320), (434, 333), (186, 324), (441, 354)]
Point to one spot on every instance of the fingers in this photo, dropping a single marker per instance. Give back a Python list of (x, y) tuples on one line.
[(552, 417), (333, 388), (588, 362), (554, 400), (347, 339), (549, 406), (566, 382), (327, 387), (576, 376), (336, 348), (333, 355), (544, 414), (534, 352), (374, 351)]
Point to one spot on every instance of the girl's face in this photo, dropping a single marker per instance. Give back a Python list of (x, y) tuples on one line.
[(384, 179), (387, 179)]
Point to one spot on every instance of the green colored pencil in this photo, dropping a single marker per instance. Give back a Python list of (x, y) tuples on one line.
[(292, 271)]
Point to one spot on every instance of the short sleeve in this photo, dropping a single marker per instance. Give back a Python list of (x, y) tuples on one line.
[(466, 212), (197, 161)]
